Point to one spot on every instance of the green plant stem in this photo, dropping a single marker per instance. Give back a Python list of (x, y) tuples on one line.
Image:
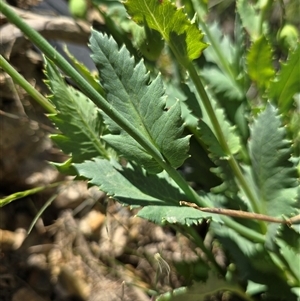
[(20, 80), (21, 194), (219, 133), (244, 231)]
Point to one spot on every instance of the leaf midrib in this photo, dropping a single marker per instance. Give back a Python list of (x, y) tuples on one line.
[(140, 120)]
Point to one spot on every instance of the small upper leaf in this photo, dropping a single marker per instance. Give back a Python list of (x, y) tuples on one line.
[(259, 60), (220, 83), (221, 41), (287, 82), (184, 38), (129, 90)]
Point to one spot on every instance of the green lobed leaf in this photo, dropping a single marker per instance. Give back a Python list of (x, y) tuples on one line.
[(220, 41), (216, 153), (228, 57), (290, 235), (294, 127), (274, 174), (284, 240), (129, 90), (78, 119), (255, 288), (176, 93), (287, 82), (239, 44), (260, 65), (210, 140), (184, 38), (131, 185), (291, 256), (221, 83), (65, 167), (254, 262)]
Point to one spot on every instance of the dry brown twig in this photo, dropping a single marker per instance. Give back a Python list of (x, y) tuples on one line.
[(244, 214)]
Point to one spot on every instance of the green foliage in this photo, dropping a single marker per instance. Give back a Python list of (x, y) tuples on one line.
[(78, 119), (287, 82), (255, 263), (260, 62), (141, 103), (223, 76), (183, 37), (130, 185), (233, 140), (274, 175), (149, 42), (221, 83), (243, 154), (91, 78)]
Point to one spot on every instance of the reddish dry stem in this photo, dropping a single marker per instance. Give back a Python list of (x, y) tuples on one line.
[(243, 214)]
